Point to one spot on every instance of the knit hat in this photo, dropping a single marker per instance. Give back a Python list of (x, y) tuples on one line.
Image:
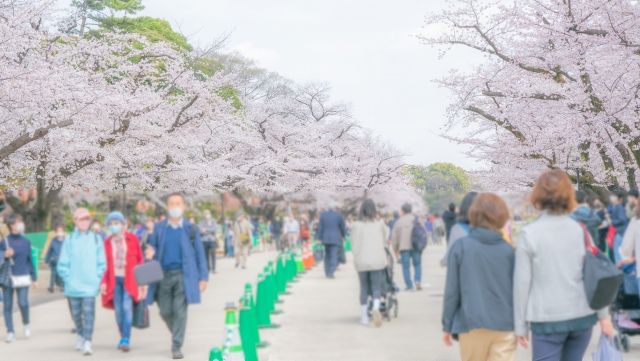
[(115, 216)]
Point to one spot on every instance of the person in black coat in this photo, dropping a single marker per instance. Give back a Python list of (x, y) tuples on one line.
[(449, 219)]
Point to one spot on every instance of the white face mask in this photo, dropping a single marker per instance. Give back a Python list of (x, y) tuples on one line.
[(175, 212), (20, 228)]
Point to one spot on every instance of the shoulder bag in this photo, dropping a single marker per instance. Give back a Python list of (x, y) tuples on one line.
[(602, 279)]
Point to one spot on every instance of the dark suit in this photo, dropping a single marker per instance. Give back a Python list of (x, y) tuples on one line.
[(331, 232)]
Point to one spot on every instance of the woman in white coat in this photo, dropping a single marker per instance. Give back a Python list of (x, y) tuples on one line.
[(368, 237)]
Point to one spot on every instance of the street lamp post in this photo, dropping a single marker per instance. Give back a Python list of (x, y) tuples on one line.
[(123, 180)]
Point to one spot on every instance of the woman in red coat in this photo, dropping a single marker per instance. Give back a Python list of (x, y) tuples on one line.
[(119, 288)]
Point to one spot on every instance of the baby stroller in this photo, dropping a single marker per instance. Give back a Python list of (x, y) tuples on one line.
[(625, 309), (389, 301)]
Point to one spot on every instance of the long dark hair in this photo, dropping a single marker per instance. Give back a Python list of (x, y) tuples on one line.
[(368, 210), (465, 205)]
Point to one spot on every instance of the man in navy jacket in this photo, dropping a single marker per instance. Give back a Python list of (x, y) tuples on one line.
[(176, 244), (331, 232)]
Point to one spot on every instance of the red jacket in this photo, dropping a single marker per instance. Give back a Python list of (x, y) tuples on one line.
[(134, 257)]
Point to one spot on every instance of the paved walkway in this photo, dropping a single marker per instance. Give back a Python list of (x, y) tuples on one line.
[(319, 323)]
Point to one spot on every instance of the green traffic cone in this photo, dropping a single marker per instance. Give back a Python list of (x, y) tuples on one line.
[(215, 354), (248, 292), (263, 305), (300, 264), (233, 350), (247, 335)]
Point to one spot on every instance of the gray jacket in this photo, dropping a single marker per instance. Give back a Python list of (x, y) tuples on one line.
[(548, 277), (479, 286)]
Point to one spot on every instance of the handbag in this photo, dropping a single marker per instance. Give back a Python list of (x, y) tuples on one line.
[(20, 281), (141, 315), (148, 273), (602, 279)]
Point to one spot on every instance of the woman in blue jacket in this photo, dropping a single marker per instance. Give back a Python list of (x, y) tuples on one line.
[(478, 299), (17, 250)]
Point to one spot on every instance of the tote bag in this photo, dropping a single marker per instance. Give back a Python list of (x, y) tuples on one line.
[(602, 279)]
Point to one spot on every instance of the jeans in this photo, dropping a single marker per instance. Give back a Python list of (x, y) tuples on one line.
[(228, 247), (370, 285), (22, 294), (83, 312), (55, 279), (617, 242), (565, 346), (210, 254), (172, 302), (123, 305), (408, 257), (331, 252)]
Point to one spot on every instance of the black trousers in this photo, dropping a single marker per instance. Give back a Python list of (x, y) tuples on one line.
[(210, 254)]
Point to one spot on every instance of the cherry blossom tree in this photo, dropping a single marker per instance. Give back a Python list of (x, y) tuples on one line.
[(558, 87), (87, 112)]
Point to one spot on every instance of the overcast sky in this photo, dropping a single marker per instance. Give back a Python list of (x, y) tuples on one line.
[(366, 50)]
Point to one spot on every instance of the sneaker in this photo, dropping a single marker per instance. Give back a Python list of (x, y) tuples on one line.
[(27, 331), (418, 287), (86, 348), (177, 355), (50, 289), (79, 344), (10, 337), (377, 317), (124, 345)]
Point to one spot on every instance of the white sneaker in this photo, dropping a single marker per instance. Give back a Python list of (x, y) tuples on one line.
[(79, 343), (27, 331), (10, 337), (86, 349), (364, 315)]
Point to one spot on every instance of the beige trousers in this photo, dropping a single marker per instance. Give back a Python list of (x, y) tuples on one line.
[(241, 251), (487, 345)]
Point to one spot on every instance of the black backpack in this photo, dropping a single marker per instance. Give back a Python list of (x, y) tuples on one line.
[(418, 236)]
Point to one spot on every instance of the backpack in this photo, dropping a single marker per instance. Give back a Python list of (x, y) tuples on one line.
[(418, 236)]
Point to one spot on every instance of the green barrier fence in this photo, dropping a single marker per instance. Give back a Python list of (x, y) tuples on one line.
[(38, 240)]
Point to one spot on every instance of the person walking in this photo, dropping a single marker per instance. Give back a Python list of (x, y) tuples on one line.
[(291, 231), (449, 219), (177, 246), (369, 238), (403, 248), (243, 230), (618, 215), (439, 231), (208, 228), (119, 288), (276, 232), (478, 297), (587, 216), (52, 257), (81, 267), (331, 232), (462, 226), (17, 251), (549, 295)]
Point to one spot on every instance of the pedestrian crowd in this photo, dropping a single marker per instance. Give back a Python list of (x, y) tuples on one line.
[(98, 259), (533, 291)]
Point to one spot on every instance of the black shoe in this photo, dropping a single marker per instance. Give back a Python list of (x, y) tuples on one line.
[(50, 289), (177, 355)]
